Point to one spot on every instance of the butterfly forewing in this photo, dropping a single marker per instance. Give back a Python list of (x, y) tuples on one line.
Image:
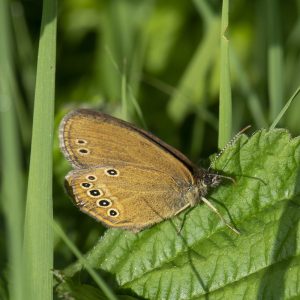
[(131, 197), (90, 139)]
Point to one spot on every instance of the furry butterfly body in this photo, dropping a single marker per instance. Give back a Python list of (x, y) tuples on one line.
[(124, 176)]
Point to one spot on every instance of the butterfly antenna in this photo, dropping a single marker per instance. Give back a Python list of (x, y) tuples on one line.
[(230, 143), (214, 209)]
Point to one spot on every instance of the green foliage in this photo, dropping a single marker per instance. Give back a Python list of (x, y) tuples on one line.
[(159, 64), (206, 259)]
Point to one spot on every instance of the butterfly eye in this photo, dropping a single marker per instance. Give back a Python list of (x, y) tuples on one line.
[(91, 177), (83, 151), (86, 185), (104, 202), (113, 212), (112, 172), (81, 142), (95, 193)]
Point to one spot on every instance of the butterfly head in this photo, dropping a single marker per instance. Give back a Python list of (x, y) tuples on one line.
[(211, 180), (205, 180)]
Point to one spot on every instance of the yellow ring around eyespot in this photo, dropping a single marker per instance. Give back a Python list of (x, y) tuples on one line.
[(113, 209), (91, 185), (95, 196), (112, 175), (102, 206), (83, 151), (91, 175), (78, 142)]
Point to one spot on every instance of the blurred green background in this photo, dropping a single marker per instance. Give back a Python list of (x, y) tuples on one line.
[(156, 64)]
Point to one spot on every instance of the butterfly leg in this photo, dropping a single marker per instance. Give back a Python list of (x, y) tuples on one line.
[(182, 209), (214, 209), (184, 217)]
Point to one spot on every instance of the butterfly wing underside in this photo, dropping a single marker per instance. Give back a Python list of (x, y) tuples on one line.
[(114, 195), (124, 176)]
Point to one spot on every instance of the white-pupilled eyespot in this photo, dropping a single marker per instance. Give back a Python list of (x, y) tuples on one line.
[(113, 212), (86, 185), (104, 203), (95, 193), (112, 172)]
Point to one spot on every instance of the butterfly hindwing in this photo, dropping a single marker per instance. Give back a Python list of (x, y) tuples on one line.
[(116, 195)]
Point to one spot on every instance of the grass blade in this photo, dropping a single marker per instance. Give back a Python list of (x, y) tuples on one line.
[(10, 160), (225, 108), (24, 50), (99, 281), (38, 239), (275, 64), (284, 109)]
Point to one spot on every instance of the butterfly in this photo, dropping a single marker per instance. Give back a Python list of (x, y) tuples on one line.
[(126, 177)]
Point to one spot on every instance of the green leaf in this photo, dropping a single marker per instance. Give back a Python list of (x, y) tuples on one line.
[(207, 259)]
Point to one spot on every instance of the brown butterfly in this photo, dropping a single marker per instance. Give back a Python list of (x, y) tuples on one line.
[(126, 177)]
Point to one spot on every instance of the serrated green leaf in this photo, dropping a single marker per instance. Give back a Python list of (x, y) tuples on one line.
[(207, 259)]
